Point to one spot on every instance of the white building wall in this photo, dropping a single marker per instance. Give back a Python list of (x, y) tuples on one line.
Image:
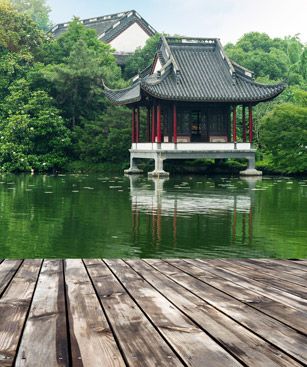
[(129, 40), (158, 66), (192, 147)]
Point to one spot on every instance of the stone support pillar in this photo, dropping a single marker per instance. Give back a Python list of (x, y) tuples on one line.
[(158, 171)]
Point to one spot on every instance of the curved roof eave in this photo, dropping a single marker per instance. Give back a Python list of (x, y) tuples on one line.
[(124, 96), (281, 87)]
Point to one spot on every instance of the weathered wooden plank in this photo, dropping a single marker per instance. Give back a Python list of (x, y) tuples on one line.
[(278, 334), (289, 264), (191, 343), (45, 340), (92, 341), (219, 268), (14, 306), (8, 269), (140, 342), (265, 276), (239, 341), (291, 316), (276, 269), (297, 262)]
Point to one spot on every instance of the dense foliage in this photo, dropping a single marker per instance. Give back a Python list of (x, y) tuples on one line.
[(283, 133), (273, 59), (142, 57), (280, 125), (52, 107), (37, 10), (53, 110)]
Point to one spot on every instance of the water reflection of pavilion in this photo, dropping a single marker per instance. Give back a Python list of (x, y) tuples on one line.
[(157, 202)]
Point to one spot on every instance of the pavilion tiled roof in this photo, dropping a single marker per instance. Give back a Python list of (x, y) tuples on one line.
[(124, 96), (110, 26), (198, 70)]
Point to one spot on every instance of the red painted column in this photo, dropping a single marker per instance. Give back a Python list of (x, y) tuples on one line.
[(234, 121), (153, 123), (148, 125), (133, 125), (137, 124), (250, 120), (159, 135), (244, 124), (175, 123)]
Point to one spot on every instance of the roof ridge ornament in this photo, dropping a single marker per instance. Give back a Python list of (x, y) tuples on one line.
[(232, 70), (171, 59)]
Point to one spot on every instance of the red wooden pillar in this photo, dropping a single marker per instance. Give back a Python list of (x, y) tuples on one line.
[(153, 124), (133, 125), (148, 125), (159, 135), (175, 123), (234, 121), (244, 124), (137, 124), (250, 120)]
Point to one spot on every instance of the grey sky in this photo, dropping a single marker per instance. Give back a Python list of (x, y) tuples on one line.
[(226, 19)]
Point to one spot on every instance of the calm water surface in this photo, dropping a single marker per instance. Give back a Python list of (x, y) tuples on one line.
[(106, 216)]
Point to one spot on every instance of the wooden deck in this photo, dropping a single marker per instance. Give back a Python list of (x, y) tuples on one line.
[(153, 313)]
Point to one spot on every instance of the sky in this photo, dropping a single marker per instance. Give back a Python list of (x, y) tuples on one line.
[(224, 19)]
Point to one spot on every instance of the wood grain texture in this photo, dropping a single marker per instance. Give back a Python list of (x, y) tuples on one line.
[(289, 315), (295, 262), (92, 341), (245, 316), (276, 270), (193, 345), (267, 277), (14, 306), (219, 268), (8, 269), (139, 340), (44, 341), (149, 313)]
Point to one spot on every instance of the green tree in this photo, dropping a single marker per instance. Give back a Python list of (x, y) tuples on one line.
[(272, 58), (18, 33), (33, 134), (78, 65), (108, 138), (283, 133), (297, 57), (37, 10), (142, 57)]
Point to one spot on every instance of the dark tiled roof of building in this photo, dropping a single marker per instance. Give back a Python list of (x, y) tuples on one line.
[(198, 70), (124, 96), (110, 26)]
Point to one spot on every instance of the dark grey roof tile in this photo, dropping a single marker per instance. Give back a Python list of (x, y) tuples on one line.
[(205, 75), (124, 96), (110, 26)]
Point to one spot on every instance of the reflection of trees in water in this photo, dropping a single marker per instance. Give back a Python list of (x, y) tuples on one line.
[(107, 223), (24, 232), (62, 224)]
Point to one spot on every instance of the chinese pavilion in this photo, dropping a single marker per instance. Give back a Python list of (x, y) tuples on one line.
[(191, 93)]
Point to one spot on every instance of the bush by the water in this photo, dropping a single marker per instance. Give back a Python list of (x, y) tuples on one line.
[(283, 133)]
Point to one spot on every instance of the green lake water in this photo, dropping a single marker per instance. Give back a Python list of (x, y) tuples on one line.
[(94, 216)]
